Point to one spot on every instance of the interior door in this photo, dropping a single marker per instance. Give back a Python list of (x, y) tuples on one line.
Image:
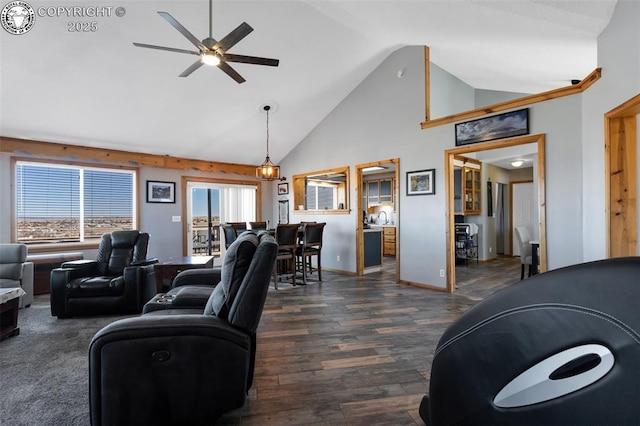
[(522, 206)]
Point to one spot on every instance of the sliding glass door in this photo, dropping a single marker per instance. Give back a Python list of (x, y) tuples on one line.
[(211, 204)]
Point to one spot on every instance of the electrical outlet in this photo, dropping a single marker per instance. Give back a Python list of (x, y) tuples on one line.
[(442, 272), (490, 249), (175, 218), (338, 258)]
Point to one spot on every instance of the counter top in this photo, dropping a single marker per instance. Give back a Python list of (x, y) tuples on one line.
[(373, 225), (373, 229)]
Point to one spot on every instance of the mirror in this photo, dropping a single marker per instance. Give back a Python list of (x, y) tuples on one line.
[(322, 191)]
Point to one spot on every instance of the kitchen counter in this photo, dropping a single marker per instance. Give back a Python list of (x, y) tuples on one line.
[(373, 249), (373, 229), (389, 225)]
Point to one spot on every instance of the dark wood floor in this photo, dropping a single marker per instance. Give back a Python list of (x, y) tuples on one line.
[(355, 350)]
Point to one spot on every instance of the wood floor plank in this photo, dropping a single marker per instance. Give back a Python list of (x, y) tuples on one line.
[(365, 321), (282, 333), (357, 361), (382, 405), (354, 350)]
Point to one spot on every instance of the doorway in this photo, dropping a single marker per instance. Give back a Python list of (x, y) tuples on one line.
[(378, 201), (207, 203), (539, 178), (521, 210), (621, 179)]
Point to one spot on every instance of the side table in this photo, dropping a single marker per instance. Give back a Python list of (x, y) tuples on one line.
[(9, 298), (168, 269)]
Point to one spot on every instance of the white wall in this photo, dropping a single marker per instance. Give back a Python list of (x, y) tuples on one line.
[(381, 119), (619, 57)]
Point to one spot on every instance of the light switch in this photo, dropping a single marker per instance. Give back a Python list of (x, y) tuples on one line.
[(175, 218)]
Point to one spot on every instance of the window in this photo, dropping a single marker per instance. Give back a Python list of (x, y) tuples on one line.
[(322, 196), (63, 203), (325, 191)]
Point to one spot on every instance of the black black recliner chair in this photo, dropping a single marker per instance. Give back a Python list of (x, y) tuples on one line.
[(560, 348), (120, 281), (179, 364)]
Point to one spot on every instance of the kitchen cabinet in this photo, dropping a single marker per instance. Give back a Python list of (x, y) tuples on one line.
[(389, 241), (386, 191), (378, 192), (373, 192), (471, 191), (467, 190)]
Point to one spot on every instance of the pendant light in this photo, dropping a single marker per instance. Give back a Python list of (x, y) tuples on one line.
[(267, 171)]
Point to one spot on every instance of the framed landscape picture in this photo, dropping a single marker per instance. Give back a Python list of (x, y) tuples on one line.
[(507, 125), (421, 182), (161, 192)]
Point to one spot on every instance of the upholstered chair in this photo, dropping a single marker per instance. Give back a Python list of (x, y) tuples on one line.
[(15, 271), (523, 238), (258, 226), (185, 366), (310, 246), (558, 348), (119, 281), (287, 238)]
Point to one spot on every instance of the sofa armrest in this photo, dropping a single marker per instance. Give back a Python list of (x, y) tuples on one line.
[(183, 297), (84, 264), (205, 276), (27, 284)]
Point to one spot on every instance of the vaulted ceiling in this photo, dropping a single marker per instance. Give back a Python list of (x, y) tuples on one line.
[(96, 89)]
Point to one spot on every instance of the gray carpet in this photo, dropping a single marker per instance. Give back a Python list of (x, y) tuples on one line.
[(44, 370)]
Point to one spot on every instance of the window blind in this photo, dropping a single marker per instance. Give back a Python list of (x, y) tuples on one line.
[(61, 203)]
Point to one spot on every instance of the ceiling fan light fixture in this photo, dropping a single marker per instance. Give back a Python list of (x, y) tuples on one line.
[(267, 170), (210, 58), (517, 163)]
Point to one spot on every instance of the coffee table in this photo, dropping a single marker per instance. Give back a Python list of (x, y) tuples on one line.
[(168, 269), (9, 298)]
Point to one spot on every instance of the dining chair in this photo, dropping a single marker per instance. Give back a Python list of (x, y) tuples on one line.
[(287, 239), (240, 227), (526, 258), (258, 225), (310, 245), (230, 234)]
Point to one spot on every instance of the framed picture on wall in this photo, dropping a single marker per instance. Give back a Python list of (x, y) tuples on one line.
[(161, 192), (283, 188), (505, 125), (421, 182), (283, 211)]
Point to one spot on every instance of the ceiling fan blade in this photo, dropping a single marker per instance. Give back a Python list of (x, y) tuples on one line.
[(170, 49), (197, 64), (185, 32), (233, 37), (251, 60), (231, 72)]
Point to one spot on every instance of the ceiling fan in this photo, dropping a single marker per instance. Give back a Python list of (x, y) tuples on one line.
[(212, 52)]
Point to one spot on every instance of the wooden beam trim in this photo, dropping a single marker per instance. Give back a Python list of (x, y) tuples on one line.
[(50, 149), (427, 84), (630, 108), (516, 103)]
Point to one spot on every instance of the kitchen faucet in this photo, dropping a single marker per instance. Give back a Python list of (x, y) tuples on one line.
[(386, 219)]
